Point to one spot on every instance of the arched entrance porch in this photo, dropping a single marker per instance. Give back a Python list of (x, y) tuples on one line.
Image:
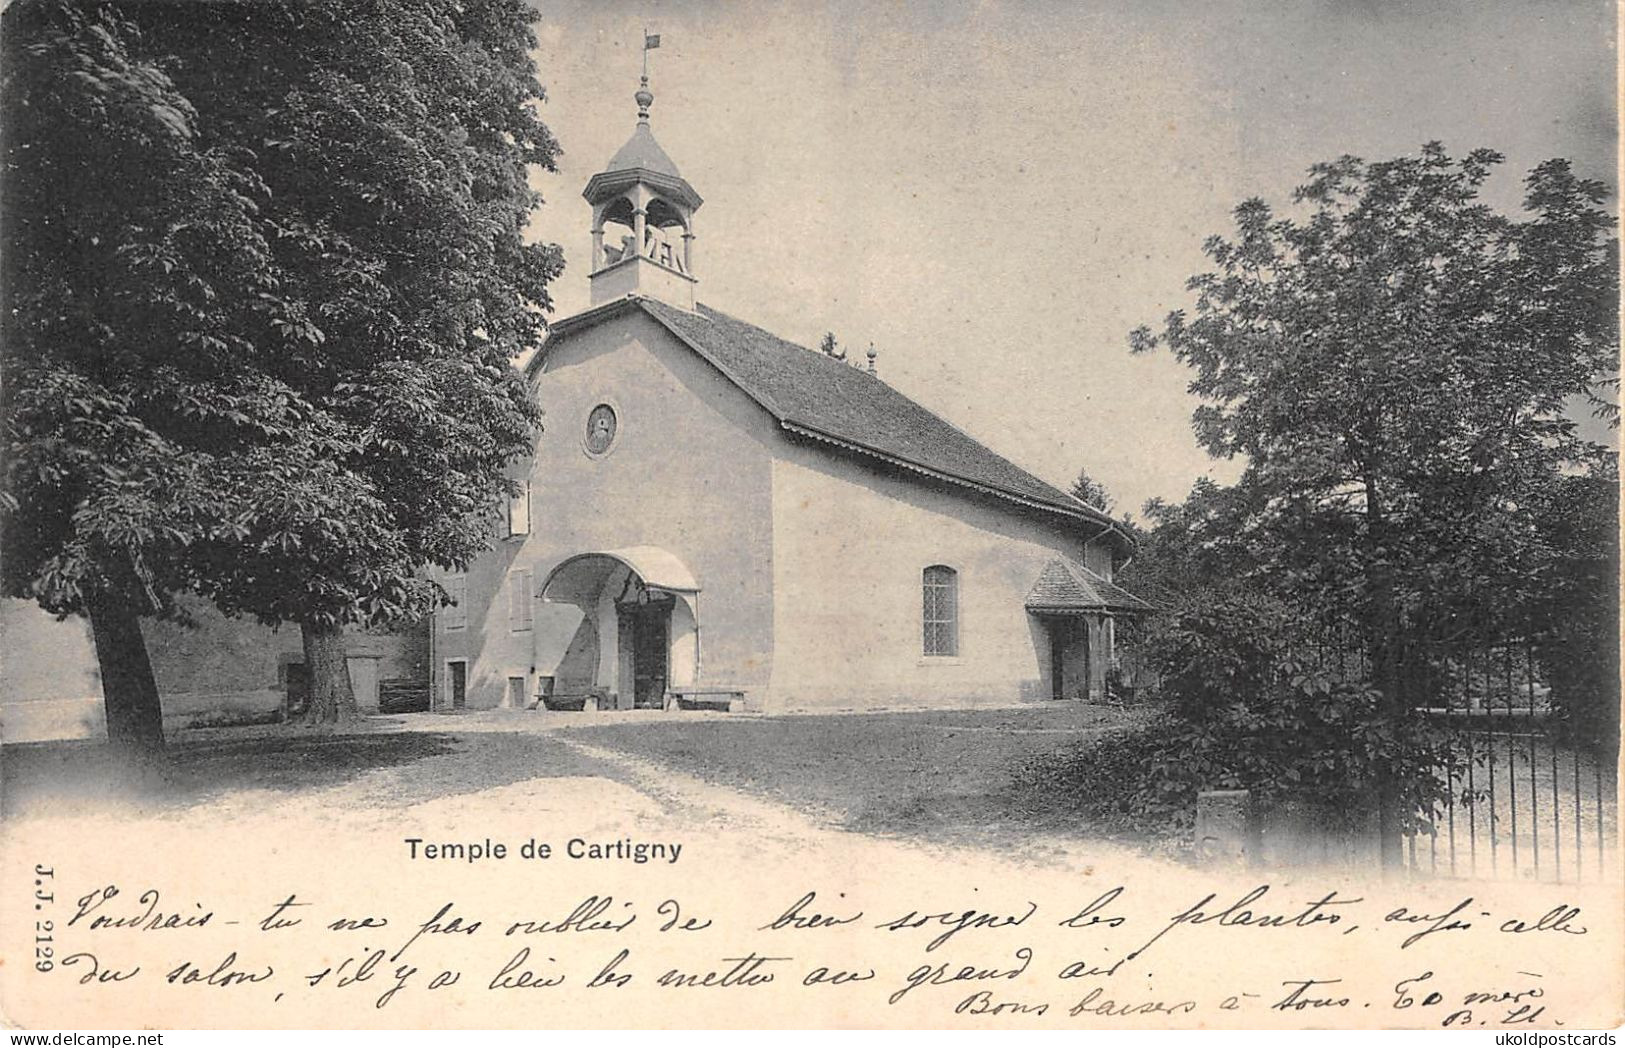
[(632, 618)]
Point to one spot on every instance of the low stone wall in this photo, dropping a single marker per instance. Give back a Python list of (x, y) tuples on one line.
[(86, 718), (215, 709), (48, 719)]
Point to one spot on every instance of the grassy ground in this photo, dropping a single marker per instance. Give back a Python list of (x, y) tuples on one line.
[(976, 776), (984, 778), (1002, 779)]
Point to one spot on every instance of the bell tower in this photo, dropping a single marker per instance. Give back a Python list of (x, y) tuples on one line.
[(642, 221)]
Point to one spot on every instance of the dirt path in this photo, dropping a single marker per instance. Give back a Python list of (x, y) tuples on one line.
[(706, 805), (528, 770), (402, 776)]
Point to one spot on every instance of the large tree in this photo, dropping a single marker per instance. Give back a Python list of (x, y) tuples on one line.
[(1393, 359), (395, 141), (1191, 551), (265, 279), (133, 323)]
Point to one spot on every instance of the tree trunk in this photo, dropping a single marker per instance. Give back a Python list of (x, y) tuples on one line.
[(1387, 640), (332, 699), (135, 720)]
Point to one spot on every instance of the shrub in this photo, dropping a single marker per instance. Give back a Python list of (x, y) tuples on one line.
[(1243, 713)]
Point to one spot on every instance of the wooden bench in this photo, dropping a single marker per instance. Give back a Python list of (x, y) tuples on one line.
[(706, 697), (572, 696)]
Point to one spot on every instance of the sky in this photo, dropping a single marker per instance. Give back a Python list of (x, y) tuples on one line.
[(996, 193)]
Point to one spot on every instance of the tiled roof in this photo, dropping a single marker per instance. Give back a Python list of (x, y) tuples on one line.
[(817, 397), (811, 392), (1064, 586)]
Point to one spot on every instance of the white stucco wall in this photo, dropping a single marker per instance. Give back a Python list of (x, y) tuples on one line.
[(217, 671), (690, 472), (851, 544), (809, 560), (50, 686)]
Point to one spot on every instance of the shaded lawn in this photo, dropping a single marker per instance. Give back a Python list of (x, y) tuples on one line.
[(400, 768), (984, 776)]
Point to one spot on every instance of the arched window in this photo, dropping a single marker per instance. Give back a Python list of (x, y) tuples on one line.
[(941, 619)]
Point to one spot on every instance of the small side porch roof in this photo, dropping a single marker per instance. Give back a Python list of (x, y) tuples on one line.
[(1066, 587)]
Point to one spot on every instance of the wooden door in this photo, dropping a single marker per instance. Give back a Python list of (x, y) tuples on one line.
[(364, 680), (1057, 658), (651, 655), (1069, 657), (458, 676)]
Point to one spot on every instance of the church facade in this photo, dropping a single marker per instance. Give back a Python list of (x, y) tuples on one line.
[(714, 517), (718, 517)]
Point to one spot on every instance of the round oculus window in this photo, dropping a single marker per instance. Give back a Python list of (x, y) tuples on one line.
[(601, 427)]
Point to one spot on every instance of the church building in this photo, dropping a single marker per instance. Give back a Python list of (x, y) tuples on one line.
[(716, 517)]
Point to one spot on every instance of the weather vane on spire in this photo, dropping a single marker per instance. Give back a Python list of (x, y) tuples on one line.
[(645, 98)]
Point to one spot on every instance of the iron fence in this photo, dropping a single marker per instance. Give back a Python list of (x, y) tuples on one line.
[(1529, 793)]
